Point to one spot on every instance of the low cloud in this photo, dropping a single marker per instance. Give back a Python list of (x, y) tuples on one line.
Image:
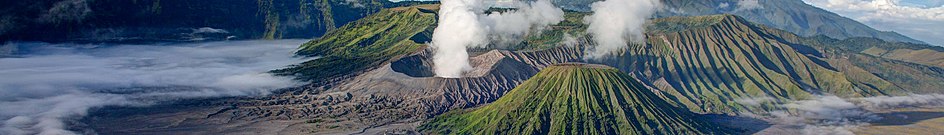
[(209, 30), (354, 3), (61, 82), (569, 40), (724, 5), (204, 33), (881, 103), (507, 28), (835, 115), (744, 5)]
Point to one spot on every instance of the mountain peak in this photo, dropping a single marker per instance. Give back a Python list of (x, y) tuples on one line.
[(574, 98)]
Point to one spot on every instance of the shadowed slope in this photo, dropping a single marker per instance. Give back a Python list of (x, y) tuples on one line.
[(574, 99)]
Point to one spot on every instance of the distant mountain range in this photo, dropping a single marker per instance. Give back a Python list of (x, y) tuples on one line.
[(791, 15), (375, 77), (186, 20)]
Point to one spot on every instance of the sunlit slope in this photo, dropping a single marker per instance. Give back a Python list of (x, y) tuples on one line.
[(708, 63), (704, 63), (365, 44), (908, 52), (574, 99)]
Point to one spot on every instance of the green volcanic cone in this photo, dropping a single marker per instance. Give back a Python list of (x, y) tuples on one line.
[(574, 99)]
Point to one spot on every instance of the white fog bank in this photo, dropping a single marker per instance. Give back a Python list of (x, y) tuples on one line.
[(63, 81)]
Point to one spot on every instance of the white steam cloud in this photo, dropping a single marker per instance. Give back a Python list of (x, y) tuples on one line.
[(62, 82), (507, 28), (463, 25), (458, 28), (835, 115), (615, 23)]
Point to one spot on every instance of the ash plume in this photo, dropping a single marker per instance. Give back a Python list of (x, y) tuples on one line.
[(463, 25), (615, 23)]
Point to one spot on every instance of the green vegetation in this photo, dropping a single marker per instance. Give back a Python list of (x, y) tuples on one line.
[(908, 52), (574, 99), (550, 37), (702, 63), (678, 24), (708, 63), (364, 44)]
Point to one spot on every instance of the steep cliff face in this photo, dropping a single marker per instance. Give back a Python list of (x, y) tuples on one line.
[(575, 99)]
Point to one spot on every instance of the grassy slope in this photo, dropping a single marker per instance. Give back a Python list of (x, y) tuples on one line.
[(709, 62), (571, 26), (776, 63), (854, 58), (915, 53), (705, 63), (574, 99), (364, 44)]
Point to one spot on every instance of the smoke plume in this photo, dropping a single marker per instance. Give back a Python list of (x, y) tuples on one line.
[(615, 23), (53, 83), (463, 25)]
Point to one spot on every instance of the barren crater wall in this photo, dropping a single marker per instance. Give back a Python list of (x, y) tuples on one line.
[(414, 66)]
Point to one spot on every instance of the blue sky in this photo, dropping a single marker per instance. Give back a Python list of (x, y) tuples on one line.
[(918, 19), (923, 3)]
